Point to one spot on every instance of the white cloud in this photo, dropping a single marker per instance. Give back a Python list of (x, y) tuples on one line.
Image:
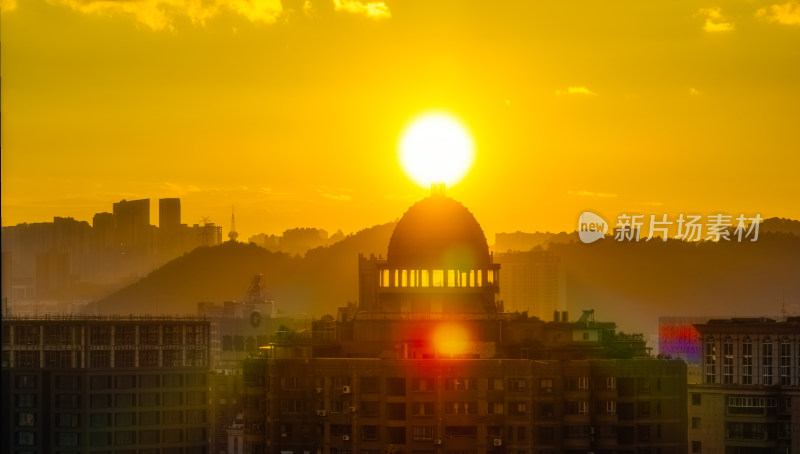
[(787, 13)]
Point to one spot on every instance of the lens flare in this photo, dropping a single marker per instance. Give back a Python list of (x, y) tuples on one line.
[(450, 340), (436, 148)]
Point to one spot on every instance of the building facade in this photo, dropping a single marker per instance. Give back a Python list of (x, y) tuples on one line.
[(105, 385), (749, 400)]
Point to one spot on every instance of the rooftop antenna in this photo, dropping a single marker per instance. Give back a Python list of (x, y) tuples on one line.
[(233, 234)]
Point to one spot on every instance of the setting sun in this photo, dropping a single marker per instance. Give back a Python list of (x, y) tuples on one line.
[(436, 148)]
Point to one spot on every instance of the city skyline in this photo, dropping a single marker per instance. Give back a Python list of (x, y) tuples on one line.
[(565, 115)]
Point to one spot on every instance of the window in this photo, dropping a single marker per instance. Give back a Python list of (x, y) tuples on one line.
[(195, 335), (172, 435), (26, 419), (766, 361), (126, 418), (172, 335), (68, 401), (26, 438), (546, 410), (711, 360), (149, 418), (423, 432), (460, 384), (97, 420), (172, 358), (57, 335), (422, 409), (644, 409), (100, 335), (26, 381), (611, 383), (461, 431), (423, 385), (583, 407), (516, 384), (546, 434), (611, 407), (66, 439), (173, 417), (125, 400), (124, 358), (173, 398), (195, 434), (173, 381), (786, 361), (147, 437), (583, 383), (99, 359), (396, 435), (546, 385), (27, 359), (195, 416), (124, 335), (697, 446), (26, 400), (747, 361), (148, 335), (369, 433), (517, 408), (100, 401), (495, 408), (695, 423), (495, 384), (696, 399), (727, 361), (26, 335), (461, 408), (396, 411)]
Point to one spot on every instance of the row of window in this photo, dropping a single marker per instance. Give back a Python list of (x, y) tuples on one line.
[(103, 359), (119, 438), (436, 278), (121, 419), (544, 434), (397, 386), (746, 362), (100, 382), (103, 335)]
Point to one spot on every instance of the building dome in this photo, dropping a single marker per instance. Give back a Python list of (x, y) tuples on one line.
[(438, 233)]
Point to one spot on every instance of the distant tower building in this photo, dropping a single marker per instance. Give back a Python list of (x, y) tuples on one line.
[(132, 222), (169, 213), (233, 234)]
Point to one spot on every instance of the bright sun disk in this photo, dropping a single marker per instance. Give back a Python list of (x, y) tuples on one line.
[(436, 148)]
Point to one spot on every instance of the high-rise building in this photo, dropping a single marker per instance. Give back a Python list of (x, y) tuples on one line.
[(132, 224), (429, 362), (169, 213), (749, 400), (105, 384), (533, 281)]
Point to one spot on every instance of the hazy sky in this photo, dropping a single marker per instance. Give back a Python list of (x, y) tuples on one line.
[(292, 110)]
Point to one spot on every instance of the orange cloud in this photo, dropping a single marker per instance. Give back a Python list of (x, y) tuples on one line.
[(715, 21), (374, 10), (787, 13)]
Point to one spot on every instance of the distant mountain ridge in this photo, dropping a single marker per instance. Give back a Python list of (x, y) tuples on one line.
[(631, 283)]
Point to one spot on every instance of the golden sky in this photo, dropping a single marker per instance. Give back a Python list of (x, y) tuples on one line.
[(292, 110)]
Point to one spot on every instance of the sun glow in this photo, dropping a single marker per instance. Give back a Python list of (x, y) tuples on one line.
[(436, 148), (450, 340)]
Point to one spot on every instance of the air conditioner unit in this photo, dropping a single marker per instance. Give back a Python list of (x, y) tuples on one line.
[(346, 390), (498, 442), (319, 390), (346, 437), (352, 409), (320, 412), (437, 441)]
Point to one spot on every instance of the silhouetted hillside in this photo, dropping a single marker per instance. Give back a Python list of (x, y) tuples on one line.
[(327, 277)]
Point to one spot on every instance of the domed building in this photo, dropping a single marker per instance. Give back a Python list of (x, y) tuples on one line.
[(438, 261), (428, 362)]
